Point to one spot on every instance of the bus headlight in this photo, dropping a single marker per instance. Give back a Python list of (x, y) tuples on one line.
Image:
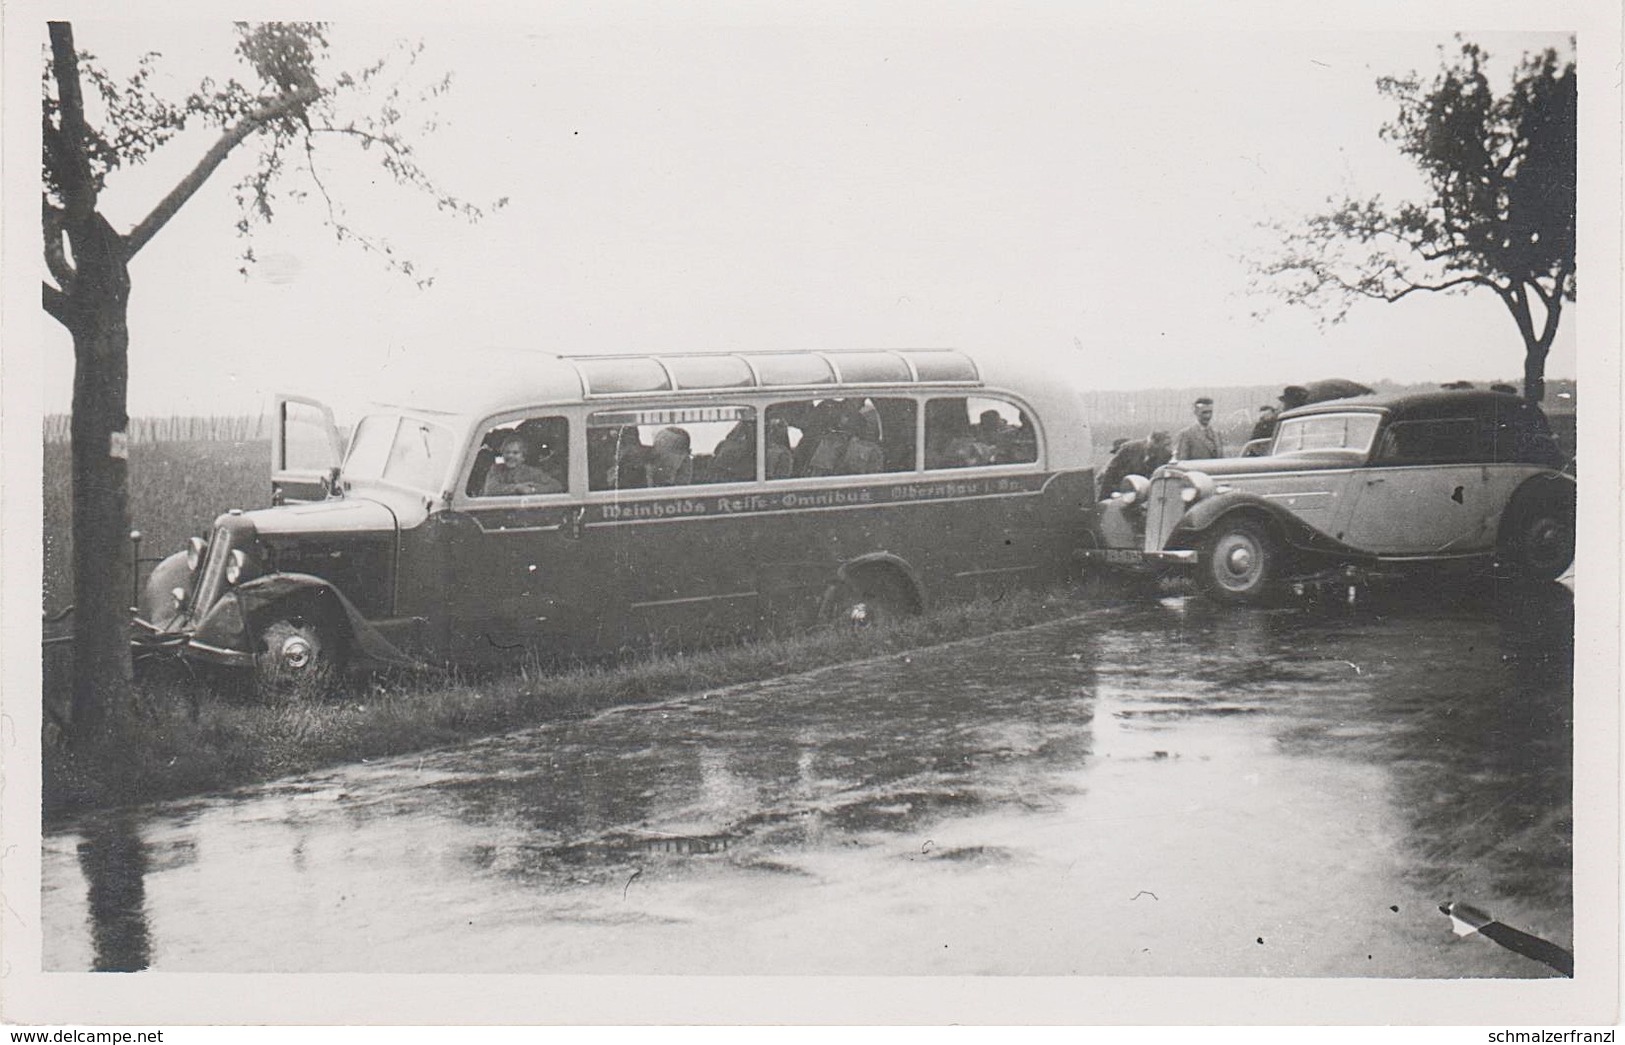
[(238, 566), (1132, 489), (195, 550)]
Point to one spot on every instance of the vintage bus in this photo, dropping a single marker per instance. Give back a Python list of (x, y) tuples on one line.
[(532, 504)]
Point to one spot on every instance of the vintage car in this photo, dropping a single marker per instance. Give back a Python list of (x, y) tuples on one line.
[(1352, 486)]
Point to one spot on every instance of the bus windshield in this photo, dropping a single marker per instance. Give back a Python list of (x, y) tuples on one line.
[(403, 451)]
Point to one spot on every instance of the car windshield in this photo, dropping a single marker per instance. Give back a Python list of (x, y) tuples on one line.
[(403, 451), (1298, 435)]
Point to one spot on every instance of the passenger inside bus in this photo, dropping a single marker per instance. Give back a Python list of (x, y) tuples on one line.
[(632, 460), (601, 446), (781, 462), (670, 461), (949, 441), (734, 459), (525, 463), (849, 447)]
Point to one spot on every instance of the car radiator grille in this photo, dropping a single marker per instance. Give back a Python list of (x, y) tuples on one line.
[(1163, 510), (212, 577)]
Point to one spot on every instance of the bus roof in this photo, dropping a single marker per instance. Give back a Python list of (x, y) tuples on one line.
[(487, 381)]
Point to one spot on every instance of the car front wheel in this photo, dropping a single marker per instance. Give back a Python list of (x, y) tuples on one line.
[(1239, 561)]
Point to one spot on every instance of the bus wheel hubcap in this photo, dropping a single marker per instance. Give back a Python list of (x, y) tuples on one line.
[(297, 653)]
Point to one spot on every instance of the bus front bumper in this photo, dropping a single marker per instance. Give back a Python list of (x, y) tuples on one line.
[(147, 639)]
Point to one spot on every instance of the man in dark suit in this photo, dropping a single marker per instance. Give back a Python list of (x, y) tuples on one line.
[(1135, 457)]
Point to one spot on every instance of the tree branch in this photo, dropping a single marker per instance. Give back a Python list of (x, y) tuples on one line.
[(56, 303), (170, 204), (78, 188), (1482, 281)]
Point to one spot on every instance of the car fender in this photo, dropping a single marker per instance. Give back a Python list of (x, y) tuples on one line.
[(1546, 484), (1207, 512), (227, 623), (1116, 524)]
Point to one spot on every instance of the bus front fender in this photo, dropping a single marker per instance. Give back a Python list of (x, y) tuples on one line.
[(232, 621)]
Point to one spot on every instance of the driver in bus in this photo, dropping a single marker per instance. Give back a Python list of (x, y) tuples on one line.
[(514, 474)]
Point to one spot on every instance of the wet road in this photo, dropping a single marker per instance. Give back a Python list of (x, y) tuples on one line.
[(1160, 788)]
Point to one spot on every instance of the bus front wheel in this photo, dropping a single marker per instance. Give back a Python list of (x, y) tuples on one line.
[(299, 657)]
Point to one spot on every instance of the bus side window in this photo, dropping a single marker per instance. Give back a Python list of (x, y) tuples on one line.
[(1001, 433), (530, 457), (670, 446), (948, 442), (854, 435)]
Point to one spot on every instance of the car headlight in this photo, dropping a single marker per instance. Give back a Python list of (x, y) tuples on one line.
[(238, 566), (195, 550), (1195, 487), (1132, 489)]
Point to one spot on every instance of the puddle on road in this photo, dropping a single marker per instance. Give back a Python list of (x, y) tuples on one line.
[(1206, 754)]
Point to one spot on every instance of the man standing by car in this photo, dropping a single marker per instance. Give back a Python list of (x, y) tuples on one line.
[(1134, 457), (1264, 427), (1199, 442)]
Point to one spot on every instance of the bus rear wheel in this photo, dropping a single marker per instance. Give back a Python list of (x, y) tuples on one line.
[(868, 601)]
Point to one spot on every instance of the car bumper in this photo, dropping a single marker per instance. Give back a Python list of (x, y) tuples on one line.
[(1133, 557)]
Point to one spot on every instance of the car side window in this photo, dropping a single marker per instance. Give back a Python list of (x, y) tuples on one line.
[(1443, 441), (520, 458), (967, 431)]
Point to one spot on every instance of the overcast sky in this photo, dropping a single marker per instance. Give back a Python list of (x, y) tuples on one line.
[(1040, 184)]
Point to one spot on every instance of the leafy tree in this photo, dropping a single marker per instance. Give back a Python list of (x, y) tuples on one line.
[(1499, 212), (290, 105)]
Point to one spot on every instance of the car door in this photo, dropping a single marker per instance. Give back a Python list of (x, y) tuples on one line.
[(305, 448), (1423, 495)]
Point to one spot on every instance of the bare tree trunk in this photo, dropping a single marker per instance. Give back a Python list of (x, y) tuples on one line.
[(1534, 374), (101, 527)]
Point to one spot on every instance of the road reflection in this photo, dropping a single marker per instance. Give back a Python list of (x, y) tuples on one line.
[(1413, 744), (114, 863)]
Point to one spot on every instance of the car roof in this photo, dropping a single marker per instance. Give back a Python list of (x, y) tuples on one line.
[(1421, 406)]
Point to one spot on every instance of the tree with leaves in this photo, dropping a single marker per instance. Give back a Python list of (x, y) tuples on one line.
[(290, 103), (1499, 213)]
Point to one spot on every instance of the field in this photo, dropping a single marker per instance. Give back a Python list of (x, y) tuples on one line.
[(176, 490)]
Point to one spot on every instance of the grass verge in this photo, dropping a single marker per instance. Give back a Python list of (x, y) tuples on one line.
[(177, 738)]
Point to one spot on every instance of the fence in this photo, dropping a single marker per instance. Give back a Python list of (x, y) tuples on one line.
[(224, 428)]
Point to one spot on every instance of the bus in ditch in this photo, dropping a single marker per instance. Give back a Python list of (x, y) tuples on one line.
[(524, 504)]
